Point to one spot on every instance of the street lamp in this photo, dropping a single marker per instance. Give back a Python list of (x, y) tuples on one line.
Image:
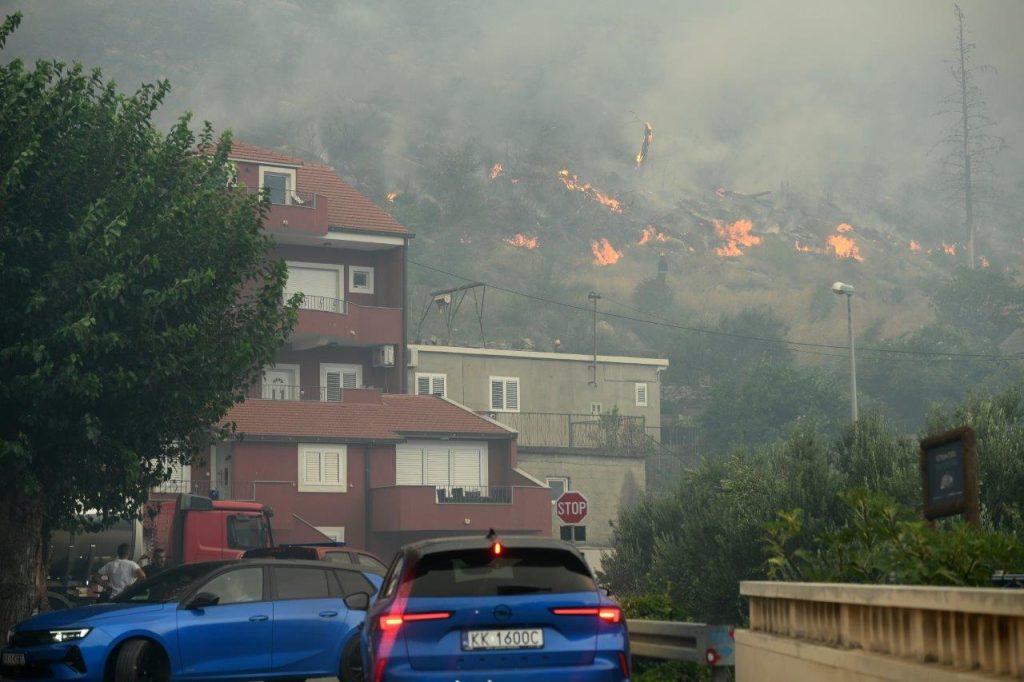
[(841, 289)]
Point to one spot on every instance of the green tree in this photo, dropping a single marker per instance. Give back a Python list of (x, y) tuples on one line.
[(985, 302), (136, 297)]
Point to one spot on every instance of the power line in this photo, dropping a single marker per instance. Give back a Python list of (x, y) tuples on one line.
[(661, 322)]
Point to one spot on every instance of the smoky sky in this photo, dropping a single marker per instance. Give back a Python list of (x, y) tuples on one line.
[(745, 92)]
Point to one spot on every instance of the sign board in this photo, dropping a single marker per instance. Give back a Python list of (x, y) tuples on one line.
[(571, 507), (949, 483)]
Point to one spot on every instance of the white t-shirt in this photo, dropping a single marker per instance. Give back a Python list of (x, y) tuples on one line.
[(120, 573)]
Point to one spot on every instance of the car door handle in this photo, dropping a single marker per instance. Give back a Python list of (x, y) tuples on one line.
[(328, 614), (258, 619)]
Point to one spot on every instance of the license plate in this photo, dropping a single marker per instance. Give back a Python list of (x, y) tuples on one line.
[(523, 638), (12, 658)]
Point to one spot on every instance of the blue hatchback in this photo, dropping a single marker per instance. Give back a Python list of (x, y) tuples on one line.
[(238, 620), (516, 608)]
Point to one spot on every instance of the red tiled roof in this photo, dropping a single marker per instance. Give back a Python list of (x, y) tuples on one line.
[(346, 206), (391, 418)]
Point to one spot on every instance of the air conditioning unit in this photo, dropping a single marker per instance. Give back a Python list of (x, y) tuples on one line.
[(384, 356), (414, 356)]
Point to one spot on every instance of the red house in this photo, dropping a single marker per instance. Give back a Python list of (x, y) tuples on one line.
[(327, 438)]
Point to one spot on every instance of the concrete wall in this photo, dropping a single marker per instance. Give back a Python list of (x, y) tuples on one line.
[(546, 384), (606, 481)]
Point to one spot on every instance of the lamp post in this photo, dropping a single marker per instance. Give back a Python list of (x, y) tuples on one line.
[(841, 289)]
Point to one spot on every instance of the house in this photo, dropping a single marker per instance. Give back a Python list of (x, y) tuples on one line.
[(328, 436), (582, 425)]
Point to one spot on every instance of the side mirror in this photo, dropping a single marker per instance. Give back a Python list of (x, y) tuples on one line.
[(359, 601), (202, 600)]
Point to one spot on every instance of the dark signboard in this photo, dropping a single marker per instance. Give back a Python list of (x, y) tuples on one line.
[(949, 474)]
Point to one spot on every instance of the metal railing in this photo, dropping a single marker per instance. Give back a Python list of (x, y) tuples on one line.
[(272, 391), (710, 645), (296, 198), (463, 494), (323, 303), (184, 485), (605, 432)]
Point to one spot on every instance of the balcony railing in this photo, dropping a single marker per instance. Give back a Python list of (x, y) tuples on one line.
[(605, 432), (271, 391), (324, 303), (501, 494), (184, 485), (296, 198)]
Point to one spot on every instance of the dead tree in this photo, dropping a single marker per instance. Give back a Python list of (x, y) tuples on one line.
[(970, 145)]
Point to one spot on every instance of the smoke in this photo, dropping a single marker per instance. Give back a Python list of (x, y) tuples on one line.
[(746, 93)]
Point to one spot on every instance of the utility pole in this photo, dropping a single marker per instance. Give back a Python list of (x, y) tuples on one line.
[(594, 297), (842, 289), (968, 186)]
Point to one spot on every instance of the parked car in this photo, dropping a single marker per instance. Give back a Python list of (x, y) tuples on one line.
[(515, 608), (240, 619), (334, 552)]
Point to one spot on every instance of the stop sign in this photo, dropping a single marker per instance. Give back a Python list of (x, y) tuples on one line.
[(571, 507)]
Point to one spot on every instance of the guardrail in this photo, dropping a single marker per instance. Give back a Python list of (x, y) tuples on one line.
[(710, 645)]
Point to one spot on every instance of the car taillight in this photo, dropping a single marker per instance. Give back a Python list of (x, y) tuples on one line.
[(609, 614), (378, 671), (623, 664), (393, 621)]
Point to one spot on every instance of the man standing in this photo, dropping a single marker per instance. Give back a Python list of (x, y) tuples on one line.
[(155, 566), (121, 572)]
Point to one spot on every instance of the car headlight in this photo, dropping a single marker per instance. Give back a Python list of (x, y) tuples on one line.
[(68, 635)]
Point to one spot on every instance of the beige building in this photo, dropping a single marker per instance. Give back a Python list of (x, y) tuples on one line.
[(582, 426)]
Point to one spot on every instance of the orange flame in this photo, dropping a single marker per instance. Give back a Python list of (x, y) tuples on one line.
[(949, 248), (805, 249), (914, 246), (604, 252), (572, 182), (646, 148), (651, 233), (843, 227), (496, 170), (735, 235), (521, 241), (391, 196), (844, 247)]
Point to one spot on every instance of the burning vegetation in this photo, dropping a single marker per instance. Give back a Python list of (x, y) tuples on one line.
[(914, 246), (572, 182), (604, 252), (391, 196), (521, 241), (735, 235), (496, 170), (646, 148), (651, 234), (949, 248)]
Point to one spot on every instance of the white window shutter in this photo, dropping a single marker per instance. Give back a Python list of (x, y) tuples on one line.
[(466, 467), (350, 379), (312, 467), (641, 395), (438, 387), (512, 394), (332, 467), (436, 470), (332, 389), (423, 385), (497, 394), (409, 466)]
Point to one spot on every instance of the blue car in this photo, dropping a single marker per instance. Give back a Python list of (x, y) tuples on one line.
[(489, 609), (239, 620)]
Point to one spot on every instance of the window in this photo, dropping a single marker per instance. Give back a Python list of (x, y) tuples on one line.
[(301, 583), (444, 466), (246, 531), (323, 468), (335, 378), (432, 384), (353, 582), (236, 587), (368, 563), (393, 576), (360, 279), (319, 283), (640, 389), (180, 480), (280, 182), (280, 382), (334, 533), (340, 558), (573, 533), (595, 408), (505, 394), (521, 570), (558, 486)]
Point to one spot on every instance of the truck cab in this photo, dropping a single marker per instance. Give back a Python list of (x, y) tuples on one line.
[(207, 530)]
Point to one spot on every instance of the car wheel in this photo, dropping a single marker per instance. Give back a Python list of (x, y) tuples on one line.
[(57, 602), (352, 662), (141, 661)]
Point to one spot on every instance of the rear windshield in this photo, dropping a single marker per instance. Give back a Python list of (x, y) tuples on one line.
[(477, 573)]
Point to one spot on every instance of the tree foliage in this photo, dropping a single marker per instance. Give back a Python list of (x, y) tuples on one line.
[(136, 294)]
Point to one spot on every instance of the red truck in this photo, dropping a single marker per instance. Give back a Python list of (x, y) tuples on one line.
[(189, 528)]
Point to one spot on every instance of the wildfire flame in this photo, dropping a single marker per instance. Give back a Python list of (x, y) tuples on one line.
[(646, 148), (604, 252), (805, 249), (914, 246), (842, 228), (391, 196), (521, 241), (572, 182), (651, 233), (496, 170), (844, 247), (949, 248), (735, 235)]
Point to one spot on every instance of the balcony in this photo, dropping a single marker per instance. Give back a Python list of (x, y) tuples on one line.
[(525, 509), (605, 433), (324, 320), (302, 212), (271, 391)]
